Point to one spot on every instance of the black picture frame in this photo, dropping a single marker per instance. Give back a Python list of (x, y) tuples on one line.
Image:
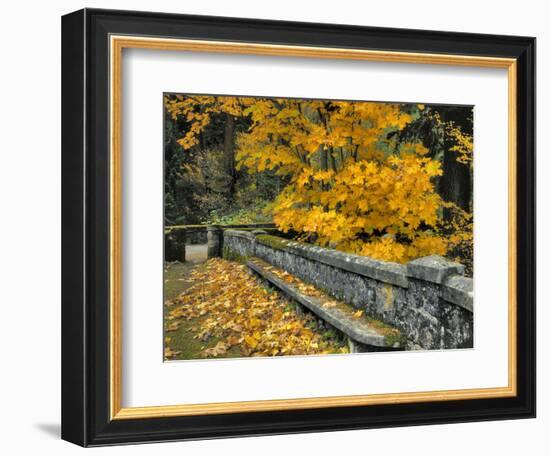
[(85, 227)]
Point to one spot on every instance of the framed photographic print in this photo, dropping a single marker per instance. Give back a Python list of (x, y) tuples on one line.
[(278, 227)]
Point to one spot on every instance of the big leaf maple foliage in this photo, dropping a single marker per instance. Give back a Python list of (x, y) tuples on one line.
[(350, 186)]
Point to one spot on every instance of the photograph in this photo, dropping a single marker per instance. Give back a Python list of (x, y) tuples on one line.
[(297, 226)]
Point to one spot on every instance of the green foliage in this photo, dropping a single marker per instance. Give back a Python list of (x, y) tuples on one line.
[(257, 212)]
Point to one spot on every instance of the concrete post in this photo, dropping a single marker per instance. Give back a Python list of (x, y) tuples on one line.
[(174, 245), (215, 241), (180, 236), (169, 253)]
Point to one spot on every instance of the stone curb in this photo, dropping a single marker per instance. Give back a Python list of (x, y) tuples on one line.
[(357, 330), (383, 271)]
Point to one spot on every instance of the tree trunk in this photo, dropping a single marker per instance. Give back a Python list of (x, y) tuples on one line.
[(324, 159), (324, 164), (455, 183), (229, 152)]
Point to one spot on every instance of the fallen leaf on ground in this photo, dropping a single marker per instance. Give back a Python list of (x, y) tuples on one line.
[(231, 305), (170, 354)]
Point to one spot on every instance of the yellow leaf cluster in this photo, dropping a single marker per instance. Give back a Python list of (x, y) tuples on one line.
[(379, 200), (463, 143)]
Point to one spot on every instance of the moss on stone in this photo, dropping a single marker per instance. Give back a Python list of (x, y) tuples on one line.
[(249, 229), (395, 340), (272, 241), (391, 334), (388, 300), (231, 255)]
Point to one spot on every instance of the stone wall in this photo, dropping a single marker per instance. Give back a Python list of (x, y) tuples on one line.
[(428, 299), (195, 236), (238, 245), (178, 236)]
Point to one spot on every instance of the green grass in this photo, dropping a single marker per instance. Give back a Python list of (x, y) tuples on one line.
[(174, 279)]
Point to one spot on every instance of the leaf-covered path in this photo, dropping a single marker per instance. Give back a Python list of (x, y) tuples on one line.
[(224, 311)]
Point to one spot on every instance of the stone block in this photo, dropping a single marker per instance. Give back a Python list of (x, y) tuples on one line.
[(433, 269), (459, 290), (215, 241)]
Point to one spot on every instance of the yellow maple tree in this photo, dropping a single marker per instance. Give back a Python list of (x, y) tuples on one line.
[(350, 187)]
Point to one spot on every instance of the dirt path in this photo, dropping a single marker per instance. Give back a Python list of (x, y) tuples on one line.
[(176, 281), (176, 274), (196, 253)]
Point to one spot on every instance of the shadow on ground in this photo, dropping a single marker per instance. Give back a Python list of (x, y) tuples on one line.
[(51, 429)]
